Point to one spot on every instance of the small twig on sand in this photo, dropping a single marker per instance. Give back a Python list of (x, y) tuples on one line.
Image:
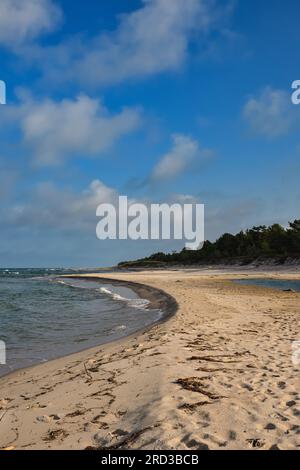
[(87, 372), (3, 414), (194, 384), (125, 443)]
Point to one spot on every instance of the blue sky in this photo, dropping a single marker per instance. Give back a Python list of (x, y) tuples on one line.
[(154, 99)]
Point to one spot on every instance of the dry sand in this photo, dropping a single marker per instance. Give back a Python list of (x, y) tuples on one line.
[(218, 375)]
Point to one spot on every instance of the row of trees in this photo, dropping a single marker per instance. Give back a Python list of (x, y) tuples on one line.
[(262, 241)]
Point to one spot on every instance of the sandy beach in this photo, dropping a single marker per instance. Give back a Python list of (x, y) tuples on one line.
[(216, 375)]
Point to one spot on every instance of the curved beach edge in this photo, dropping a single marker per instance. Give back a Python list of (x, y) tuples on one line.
[(158, 298), (208, 378)]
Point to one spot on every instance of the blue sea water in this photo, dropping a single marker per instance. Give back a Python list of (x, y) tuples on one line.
[(43, 317), (279, 284)]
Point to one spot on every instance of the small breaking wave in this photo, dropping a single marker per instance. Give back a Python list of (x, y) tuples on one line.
[(8, 272), (45, 315), (67, 284), (64, 283), (120, 327), (136, 303), (141, 304)]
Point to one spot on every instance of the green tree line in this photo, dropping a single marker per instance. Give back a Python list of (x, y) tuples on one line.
[(262, 241)]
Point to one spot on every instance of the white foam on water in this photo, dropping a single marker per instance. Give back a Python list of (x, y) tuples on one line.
[(120, 327), (136, 303), (7, 271)]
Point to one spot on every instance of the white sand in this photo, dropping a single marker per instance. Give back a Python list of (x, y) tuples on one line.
[(218, 375)]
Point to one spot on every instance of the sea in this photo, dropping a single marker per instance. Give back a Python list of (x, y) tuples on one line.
[(43, 317), (279, 284)]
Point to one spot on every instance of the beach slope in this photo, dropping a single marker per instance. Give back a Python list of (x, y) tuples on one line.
[(217, 375)]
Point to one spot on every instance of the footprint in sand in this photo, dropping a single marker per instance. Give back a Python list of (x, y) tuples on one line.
[(270, 427), (281, 385), (194, 444)]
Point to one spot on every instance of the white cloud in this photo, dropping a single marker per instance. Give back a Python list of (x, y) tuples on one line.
[(56, 130), (271, 113), (184, 152), (8, 179), (48, 206), (152, 39), (24, 20)]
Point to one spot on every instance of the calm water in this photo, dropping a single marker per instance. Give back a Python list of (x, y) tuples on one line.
[(42, 318), (278, 284)]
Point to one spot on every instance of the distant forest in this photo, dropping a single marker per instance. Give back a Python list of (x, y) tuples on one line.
[(262, 242)]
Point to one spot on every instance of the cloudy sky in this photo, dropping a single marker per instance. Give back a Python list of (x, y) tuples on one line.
[(159, 100)]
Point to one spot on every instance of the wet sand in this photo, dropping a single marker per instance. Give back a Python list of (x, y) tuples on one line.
[(217, 375)]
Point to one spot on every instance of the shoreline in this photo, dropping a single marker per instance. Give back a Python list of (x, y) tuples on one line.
[(143, 391), (158, 299)]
